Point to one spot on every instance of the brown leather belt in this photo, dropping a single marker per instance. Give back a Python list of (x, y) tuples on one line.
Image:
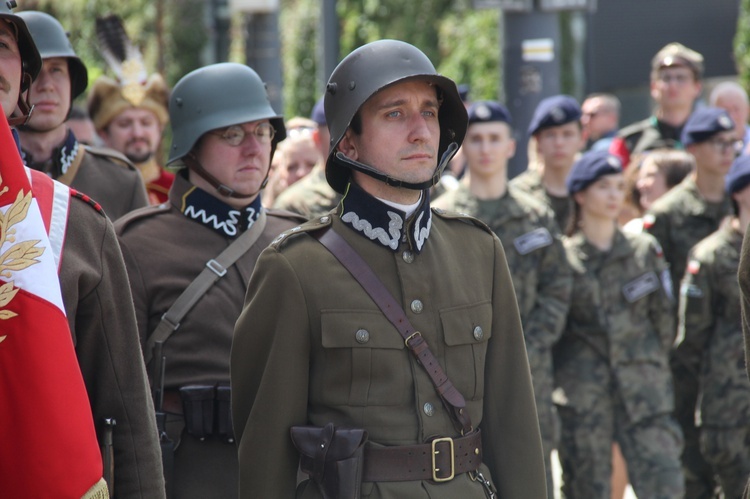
[(439, 460)]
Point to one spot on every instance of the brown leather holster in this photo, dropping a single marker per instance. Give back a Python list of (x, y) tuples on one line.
[(332, 457)]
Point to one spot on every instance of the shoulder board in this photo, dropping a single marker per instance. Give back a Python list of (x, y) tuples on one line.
[(309, 226), (451, 215), (139, 214), (86, 199), (110, 154), (290, 215)]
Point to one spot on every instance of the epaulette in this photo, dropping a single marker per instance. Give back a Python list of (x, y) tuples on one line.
[(86, 199), (463, 217), (141, 213), (111, 154), (309, 226)]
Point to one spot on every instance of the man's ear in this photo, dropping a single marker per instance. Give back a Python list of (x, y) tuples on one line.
[(348, 147)]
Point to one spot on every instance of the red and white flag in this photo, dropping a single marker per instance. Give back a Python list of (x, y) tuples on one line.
[(48, 446)]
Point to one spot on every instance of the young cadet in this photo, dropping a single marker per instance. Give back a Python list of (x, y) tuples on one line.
[(556, 134), (710, 342), (679, 219), (332, 356), (223, 143), (47, 142), (96, 297), (611, 364), (532, 244)]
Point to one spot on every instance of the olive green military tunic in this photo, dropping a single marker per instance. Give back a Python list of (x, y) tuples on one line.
[(542, 281), (612, 370), (311, 347), (710, 344), (99, 308), (165, 248)]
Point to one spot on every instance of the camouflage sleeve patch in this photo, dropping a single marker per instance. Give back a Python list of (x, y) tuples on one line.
[(535, 239)]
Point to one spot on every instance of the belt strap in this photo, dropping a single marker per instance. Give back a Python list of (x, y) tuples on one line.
[(413, 339), (214, 270), (439, 460)]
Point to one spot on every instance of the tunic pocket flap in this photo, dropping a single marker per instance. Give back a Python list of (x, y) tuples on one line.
[(358, 329), (467, 324)]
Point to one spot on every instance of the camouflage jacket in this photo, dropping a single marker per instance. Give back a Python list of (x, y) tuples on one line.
[(709, 340), (681, 218), (536, 258), (310, 197), (620, 326), (530, 182)]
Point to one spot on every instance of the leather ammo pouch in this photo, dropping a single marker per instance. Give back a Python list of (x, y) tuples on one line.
[(332, 457)]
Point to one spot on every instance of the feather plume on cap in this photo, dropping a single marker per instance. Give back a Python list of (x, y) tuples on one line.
[(122, 56)]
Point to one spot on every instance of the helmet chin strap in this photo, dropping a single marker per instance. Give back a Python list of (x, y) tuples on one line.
[(225, 191), (23, 106), (394, 182)]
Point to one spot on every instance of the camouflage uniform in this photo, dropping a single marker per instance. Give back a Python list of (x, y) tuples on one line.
[(310, 197), (709, 344), (542, 282), (611, 369), (530, 182), (679, 220)]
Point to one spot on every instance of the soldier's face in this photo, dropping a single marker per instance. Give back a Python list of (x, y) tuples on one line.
[(10, 69), (603, 199), (715, 155), (135, 132), (50, 95), (242, 168), (400, 133), (557, 146), (651, 183), (675, 87), (488, 147), (300, 156)]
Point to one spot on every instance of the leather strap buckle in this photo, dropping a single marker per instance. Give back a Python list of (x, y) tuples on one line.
[(435, 452)]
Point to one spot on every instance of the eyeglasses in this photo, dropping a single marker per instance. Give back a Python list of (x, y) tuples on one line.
[(676, 78), (235, 134), (722, 146)]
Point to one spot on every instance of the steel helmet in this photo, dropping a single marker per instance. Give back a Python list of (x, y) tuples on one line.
[(218, 96), (366, 71), (52, 41), (32, 61)]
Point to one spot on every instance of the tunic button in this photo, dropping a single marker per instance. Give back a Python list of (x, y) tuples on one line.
[(417, 307), (429, 409), (324, 220), (362, 336), (408, 256), (478, 333)]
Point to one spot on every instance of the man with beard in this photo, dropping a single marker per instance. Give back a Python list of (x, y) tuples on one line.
[(48, 144), (131, 121)]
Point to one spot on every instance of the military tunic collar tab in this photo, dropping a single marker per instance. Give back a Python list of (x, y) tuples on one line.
[(384, 224), (203, 208), (61, 159)]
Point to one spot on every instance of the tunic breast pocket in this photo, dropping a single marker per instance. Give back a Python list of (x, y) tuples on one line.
[(365, 361), (467, 330)]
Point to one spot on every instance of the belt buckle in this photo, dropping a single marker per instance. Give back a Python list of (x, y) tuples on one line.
[(435, 452)]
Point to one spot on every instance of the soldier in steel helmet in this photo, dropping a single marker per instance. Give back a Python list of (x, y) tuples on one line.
[(532, 243), (709, 340), (224, 136), (96, 297), (314, 355), (611, 363), (48, 144)]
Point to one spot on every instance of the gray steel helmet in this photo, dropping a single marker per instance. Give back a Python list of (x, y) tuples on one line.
[(370, 69), (32, 61), (52, 41), (218, 96)]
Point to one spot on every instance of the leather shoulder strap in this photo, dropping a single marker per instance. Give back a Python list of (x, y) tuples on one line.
[(214, 270), (413, 339)]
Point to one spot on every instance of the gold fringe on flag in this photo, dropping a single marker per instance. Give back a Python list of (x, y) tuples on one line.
[(98, 491)]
